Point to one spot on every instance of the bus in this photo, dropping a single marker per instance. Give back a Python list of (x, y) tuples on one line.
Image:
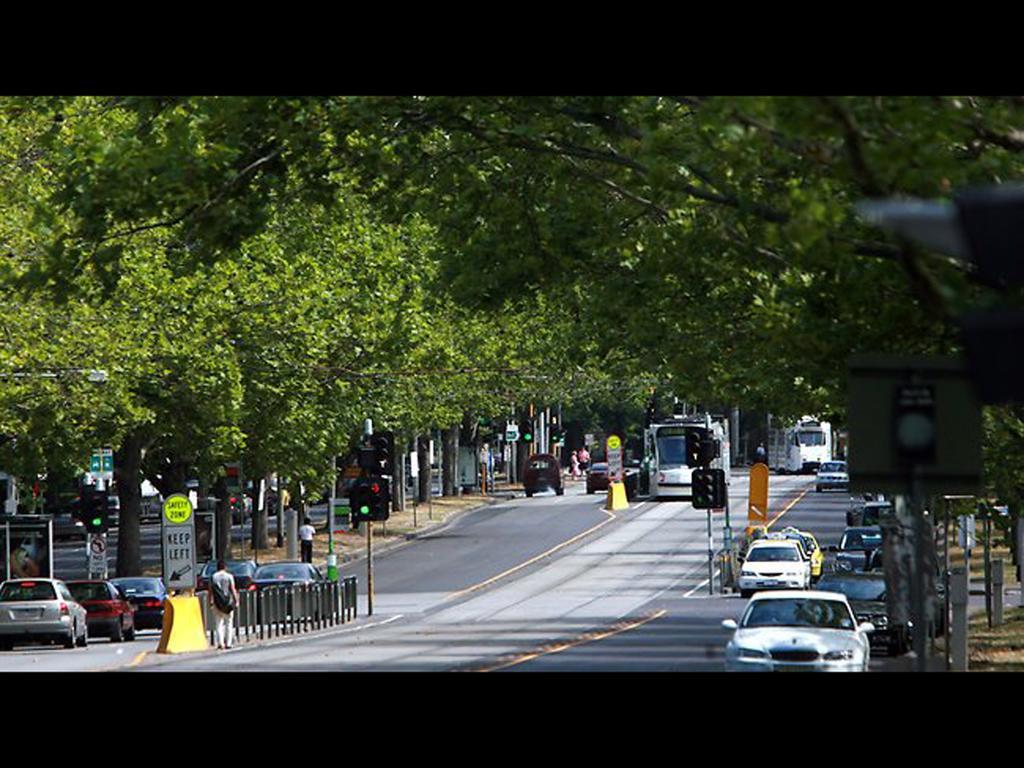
[(800, 448), (665, 454)]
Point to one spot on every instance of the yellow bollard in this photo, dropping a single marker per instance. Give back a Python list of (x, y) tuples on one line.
[(183, 630), (616, 496)]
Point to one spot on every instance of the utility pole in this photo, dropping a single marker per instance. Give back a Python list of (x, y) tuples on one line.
[(368, 433)]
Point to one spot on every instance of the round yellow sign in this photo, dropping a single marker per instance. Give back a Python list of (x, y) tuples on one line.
[(177, 508), (614, 442)]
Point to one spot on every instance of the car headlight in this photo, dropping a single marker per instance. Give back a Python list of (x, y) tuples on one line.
[(751, 653), (750, 574), (838, 655)]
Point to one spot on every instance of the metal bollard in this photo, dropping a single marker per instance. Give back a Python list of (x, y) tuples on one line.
[(958, 597), (997, 592)]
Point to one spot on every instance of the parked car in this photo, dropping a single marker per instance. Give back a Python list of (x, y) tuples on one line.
[(597, 477), (147, 595), (832, 475), (856, 548), (798, 630), (242, 570), (543, 473), (151, 509), (110, 613), (774, 564), (866, 594), (40, 610), (285, 573)]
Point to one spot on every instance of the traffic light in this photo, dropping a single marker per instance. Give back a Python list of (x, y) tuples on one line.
[(237, 506), (95, 514), (695, 436), (708, 488), (526, 431), (370, 499), (914, 424), (383, 444)]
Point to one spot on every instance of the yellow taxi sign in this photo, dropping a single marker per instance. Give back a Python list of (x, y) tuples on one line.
[(177, 509), (614, 442)]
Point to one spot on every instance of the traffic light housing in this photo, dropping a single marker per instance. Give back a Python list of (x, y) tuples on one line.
[(526, 431), (695, 437), (370, 499), (95, 512), (708, 489), (376, 454), (236, 503)]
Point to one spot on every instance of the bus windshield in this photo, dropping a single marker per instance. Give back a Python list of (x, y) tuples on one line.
[(671, 449)]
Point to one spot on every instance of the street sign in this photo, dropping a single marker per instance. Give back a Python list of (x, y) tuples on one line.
[(966, 537), (511, 432), (613, 447), (915, 414), (98, 556), (178, 540), (101, 463), (414, 464)]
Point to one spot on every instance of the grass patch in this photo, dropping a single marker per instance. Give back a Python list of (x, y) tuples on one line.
[(999, 649)]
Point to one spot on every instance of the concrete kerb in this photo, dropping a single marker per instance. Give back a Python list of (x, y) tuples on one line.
[(433, 528)]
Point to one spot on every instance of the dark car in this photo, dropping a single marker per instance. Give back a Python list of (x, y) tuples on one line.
[(870, 513), (147, 595), (65, 526), (543, 473), (856, 548), (242, 570), (108, 611), (283, 574), (866, 593), (597, 477)]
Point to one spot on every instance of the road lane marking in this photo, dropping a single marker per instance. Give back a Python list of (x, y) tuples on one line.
[(138, 659), (590, 637), (487, 582), (702, 584), (786, 508)]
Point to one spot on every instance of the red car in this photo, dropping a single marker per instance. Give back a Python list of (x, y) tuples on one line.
[(543, 472), (597, 477), (108, 611)]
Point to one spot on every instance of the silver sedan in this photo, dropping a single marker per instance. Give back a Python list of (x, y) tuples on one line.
[(40, 610), (797, 630)]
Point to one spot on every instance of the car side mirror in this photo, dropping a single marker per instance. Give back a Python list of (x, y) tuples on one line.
[(867, 626), (831, 548), (730, 624)]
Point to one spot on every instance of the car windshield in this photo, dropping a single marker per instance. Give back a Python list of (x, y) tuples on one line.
[(833, 466), (798, 612), (235, 569), (282, 572), (854, 589), (22, 591), (93, 590), (133, 586), (812, 438), (773, 554), (861, 540), (671, 450)]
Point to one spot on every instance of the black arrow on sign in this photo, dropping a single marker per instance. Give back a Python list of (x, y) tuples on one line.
[(178, 574)]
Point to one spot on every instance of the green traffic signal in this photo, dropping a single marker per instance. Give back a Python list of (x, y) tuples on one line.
[(364, 510)]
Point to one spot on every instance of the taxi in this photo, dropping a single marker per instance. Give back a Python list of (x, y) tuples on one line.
[(812, 548)]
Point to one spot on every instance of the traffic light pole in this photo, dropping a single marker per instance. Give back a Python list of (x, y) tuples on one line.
[(369, 568), (711, 557)]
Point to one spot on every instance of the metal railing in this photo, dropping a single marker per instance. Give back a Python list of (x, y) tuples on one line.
[(286, 610)]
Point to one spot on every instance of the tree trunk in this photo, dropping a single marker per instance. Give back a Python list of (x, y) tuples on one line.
[(450, 460), (223, 520), (398, 481), (260, 516), (127, 463), (423, 457)]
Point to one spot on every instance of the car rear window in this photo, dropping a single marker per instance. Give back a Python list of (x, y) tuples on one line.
[(95, 590), (282, 572), (144, 586), (23, 591), (540, 464), (833, 466)]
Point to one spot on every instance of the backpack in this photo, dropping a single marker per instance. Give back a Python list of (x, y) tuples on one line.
[(225, 602)]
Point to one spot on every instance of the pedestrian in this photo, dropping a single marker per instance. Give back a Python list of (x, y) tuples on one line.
[(575, 465), (306, 533), (761, 455), (223, 600), (584, 458)]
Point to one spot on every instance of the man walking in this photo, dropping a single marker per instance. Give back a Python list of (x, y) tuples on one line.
[(761, 456), (306, 533), (223, 600)]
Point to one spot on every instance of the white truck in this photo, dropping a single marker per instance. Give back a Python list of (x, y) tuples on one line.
[(801, 447), (665, 454)]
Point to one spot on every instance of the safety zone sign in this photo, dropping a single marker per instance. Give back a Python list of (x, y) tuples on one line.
[(178, 542), (613, 446)]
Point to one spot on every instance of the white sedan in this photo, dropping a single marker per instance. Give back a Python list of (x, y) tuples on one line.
[(798, 630), (832, 475), (774, 564)]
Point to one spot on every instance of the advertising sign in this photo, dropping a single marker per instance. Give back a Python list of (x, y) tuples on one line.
[(28, 550), (178, 540)]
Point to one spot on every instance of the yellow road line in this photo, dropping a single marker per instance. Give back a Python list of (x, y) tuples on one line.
[(138, 659), (532, 560), (786, 509), (590, 637)]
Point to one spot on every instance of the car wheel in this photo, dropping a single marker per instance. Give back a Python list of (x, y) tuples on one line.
[(560, 492), (746, 592), (117, 636), (529, 494), (129, 634), (590, 490), (6, 645), (83, 641), (72, 638)]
